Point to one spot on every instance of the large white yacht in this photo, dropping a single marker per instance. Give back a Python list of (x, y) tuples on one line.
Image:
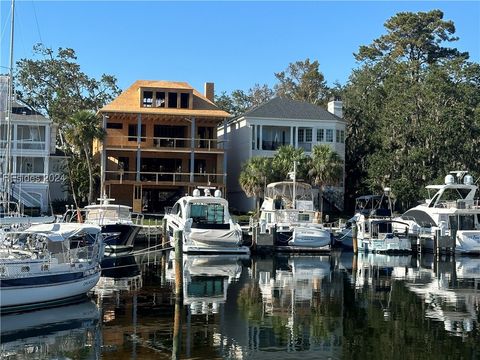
[(288, 210), (206, 224), (453, 211)]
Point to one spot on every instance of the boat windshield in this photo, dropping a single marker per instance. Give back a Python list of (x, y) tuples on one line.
[(207, 213), (116, 213)]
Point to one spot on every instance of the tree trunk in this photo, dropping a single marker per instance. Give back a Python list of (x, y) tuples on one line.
[(90, 175)]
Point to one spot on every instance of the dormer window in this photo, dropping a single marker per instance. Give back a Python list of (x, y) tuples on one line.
[(172, 100), (162, 98), (147, 98), (184, 100)]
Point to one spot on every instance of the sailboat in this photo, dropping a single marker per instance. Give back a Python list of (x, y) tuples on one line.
[(45, 264)]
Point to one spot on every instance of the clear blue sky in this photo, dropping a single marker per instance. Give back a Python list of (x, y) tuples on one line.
[(233, 44)]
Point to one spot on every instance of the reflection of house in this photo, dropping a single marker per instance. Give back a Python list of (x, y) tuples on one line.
[(278, 122), (36, 173), (161, 142)]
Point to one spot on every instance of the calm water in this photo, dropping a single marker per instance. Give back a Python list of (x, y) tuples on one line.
[(285, 307)]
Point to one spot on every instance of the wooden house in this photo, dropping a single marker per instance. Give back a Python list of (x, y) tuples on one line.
[(161, 143)]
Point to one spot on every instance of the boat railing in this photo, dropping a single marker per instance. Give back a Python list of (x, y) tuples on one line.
[(137, 218)]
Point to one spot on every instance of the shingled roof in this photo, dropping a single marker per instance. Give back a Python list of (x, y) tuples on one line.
[(283, 108)]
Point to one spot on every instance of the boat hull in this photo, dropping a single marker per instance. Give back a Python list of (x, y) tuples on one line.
[(119, 238), (34, 293)]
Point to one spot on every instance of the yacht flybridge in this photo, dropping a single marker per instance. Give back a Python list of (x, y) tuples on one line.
[(206, 224), (452, 212)]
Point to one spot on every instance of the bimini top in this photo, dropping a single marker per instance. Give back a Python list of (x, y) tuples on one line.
[(61, 231), (284, 189)]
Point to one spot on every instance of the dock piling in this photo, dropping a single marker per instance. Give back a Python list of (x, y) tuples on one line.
[(178, 238)]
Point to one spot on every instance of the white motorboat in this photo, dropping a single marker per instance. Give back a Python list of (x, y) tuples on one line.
[(48, 264), (288, 211), (119, 228), (379, 236), (206, 224), (452, 213), (374, 206)]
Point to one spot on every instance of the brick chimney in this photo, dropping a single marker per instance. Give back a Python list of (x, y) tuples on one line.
[(335, 107), (209, 91)]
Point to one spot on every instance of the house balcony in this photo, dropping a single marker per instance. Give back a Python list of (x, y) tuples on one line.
[(164, 144), (164, 178)]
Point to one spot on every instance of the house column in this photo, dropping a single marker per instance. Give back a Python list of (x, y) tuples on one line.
[(225, 137), (291, 135), (139, 143), (261, 138), (192, 150), (103, 159)]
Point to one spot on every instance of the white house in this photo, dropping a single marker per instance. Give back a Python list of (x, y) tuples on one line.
[(35, 174), (277, 122)]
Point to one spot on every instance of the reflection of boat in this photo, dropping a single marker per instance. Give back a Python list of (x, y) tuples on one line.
[(122, 274), (48, 263), (451, 213), (206, 279), (288, 211), (450, 293), (300, 278), (118, 228), (206, 224), (44, 332)]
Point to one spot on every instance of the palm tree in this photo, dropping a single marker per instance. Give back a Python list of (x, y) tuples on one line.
[(255, 174), (283, 162), (80, 132), (326, 168)]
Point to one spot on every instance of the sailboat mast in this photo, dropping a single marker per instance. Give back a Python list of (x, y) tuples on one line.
[(8, 164), (294, 184)]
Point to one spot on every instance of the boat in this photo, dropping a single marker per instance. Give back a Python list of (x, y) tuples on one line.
[(119, 228), (288, 212), (378, 235), (206, 224), (48, 264), (450, 216), (375, 206)]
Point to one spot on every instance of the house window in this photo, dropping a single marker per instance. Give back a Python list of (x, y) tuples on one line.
[(114, 125), (30, 165), (320, 135), (132, 132), (172, 100), (31, 137), (184, 101), (160, 99), (308, 135), (301, 135), (329, 135), (147, 99), (342, 136)]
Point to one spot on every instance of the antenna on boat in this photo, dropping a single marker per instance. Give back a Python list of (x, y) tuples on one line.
[(293, 176)]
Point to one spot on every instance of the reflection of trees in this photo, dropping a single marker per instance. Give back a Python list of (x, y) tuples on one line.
[(404, 334), (250, 302)]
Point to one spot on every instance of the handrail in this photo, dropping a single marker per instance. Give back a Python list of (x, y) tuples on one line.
[(164, 142), (161, 176)]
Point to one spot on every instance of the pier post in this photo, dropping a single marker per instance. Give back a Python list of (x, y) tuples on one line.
[(354, 237), (177, 330), (164, 233), (178, 238)]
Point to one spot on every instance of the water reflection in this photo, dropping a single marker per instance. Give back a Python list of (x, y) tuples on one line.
[(286, 306), (52, 333)]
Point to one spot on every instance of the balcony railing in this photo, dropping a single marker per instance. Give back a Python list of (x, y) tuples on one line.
[(25, 145), (164, 177), (163, 143)]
